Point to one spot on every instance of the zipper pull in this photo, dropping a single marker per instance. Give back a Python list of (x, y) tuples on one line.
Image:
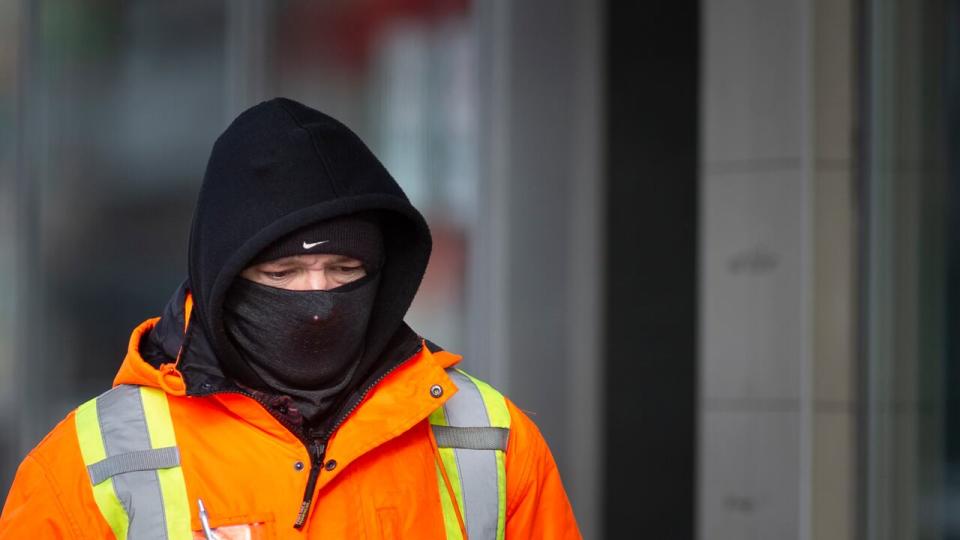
[(317, 450)]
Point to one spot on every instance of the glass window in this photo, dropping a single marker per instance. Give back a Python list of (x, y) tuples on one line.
[(910, 301)]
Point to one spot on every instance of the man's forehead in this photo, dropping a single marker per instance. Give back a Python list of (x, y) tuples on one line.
[(306, 259)]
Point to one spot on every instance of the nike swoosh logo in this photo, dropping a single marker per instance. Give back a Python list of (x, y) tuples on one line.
[(313, 245)]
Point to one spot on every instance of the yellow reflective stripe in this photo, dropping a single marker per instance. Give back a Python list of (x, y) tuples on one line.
[(450, 523), (176, 507), (93, 451), (438, 418), (449, 459), (173, 487), (88, 433), (494, 401), (156, 411), (502, 492)]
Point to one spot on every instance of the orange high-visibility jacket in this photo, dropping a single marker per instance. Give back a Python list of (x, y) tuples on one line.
[(248, 468)]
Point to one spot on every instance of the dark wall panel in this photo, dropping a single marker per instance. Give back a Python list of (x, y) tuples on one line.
[(651, 297)]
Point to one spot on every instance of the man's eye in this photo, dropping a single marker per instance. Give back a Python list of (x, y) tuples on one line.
[(277, 275), (348, 269)]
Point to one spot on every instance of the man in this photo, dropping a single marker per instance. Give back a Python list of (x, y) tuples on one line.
[(280, 395)]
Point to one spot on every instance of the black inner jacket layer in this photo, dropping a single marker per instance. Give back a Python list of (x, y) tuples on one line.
[(279, 167)]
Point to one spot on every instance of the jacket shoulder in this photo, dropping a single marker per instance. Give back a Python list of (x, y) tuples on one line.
[(51, 491), (537, 504), (59, 452)]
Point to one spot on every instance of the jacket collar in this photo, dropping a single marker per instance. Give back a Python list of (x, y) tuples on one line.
[(392, 406)]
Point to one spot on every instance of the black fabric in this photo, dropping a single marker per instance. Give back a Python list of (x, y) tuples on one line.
[(279, 167), (162, 344), (304, 344), (433, 347), (355, 235)]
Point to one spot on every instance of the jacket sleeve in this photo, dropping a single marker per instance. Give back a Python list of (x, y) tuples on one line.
[(33, 508), (537, 505)]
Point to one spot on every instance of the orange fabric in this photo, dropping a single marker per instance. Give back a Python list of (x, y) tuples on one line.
[(242, 462)]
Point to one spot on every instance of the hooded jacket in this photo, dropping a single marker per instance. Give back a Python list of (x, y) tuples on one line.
[(278, 167)]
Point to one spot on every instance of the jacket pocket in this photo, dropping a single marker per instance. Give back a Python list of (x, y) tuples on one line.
[(254, 527)]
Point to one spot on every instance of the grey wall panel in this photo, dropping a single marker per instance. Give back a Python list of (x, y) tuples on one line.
[(538, 271)]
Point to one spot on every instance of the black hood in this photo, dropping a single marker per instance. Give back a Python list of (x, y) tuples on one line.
[(278, 167)]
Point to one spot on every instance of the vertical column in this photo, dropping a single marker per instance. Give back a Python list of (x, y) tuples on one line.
[(833, 496), (905, 305), (650, 326), (754, 271)]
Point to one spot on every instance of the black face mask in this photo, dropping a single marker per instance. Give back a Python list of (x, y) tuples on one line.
[(304, 344)]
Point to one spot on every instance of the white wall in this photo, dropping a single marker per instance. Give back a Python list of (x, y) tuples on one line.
[(777, 424)]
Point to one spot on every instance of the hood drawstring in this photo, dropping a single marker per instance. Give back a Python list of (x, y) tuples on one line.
[(169, 377), (446, 482), (170, 380)]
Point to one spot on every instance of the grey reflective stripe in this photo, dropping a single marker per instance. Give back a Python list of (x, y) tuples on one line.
[(466, 407), (141, 460), (477, 468), (123, 426), (474, 438)]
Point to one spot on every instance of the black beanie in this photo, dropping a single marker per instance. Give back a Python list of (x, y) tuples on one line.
[(353, 235)]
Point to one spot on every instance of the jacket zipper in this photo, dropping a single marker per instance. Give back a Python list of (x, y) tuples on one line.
[(319, 449), (317, 452)]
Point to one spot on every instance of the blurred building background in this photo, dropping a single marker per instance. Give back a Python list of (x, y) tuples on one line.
[(711, 247)]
